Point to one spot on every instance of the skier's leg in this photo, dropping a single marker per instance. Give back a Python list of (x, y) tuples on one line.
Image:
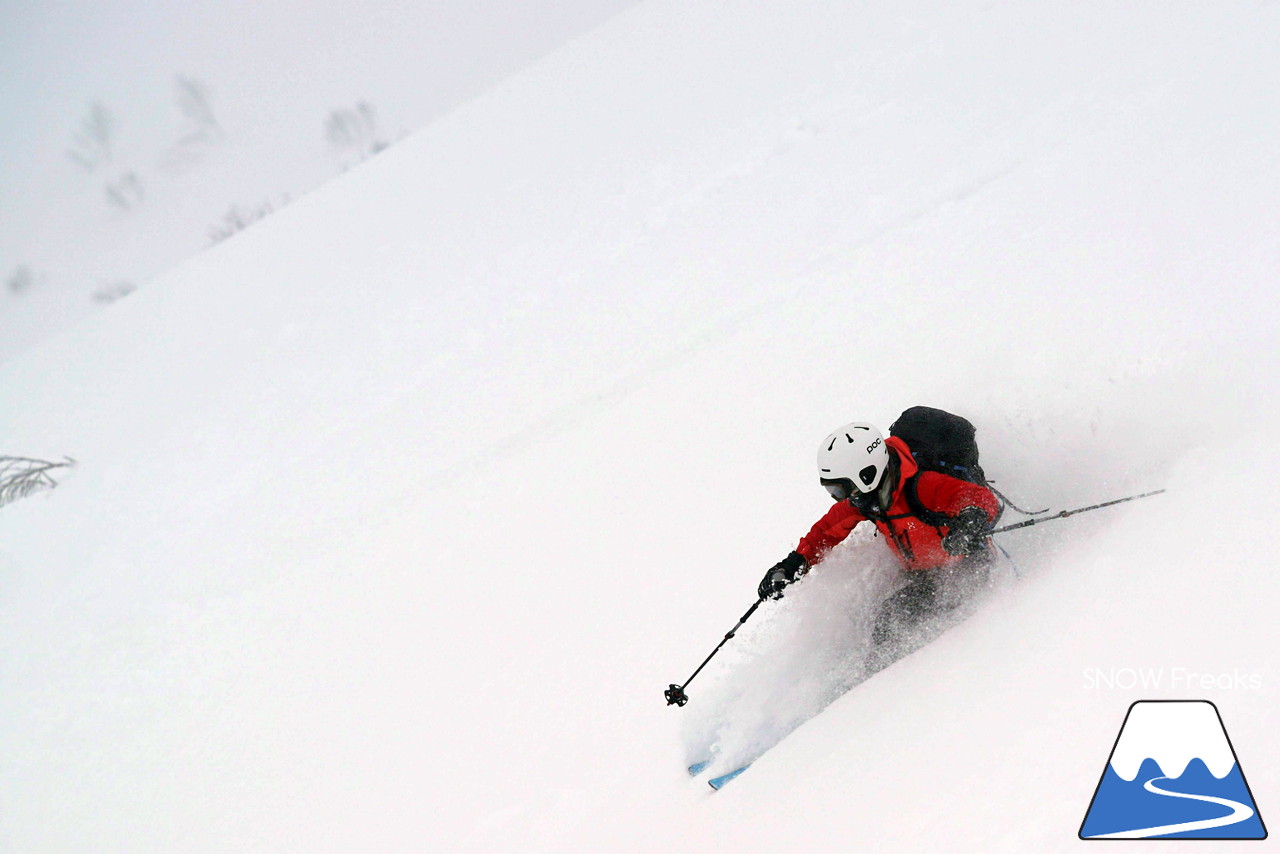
[(956, 584), (930, 593), (899, 615), (907, 605)]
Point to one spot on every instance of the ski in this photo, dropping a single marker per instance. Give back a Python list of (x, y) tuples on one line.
[(718, 782), (715, 782)]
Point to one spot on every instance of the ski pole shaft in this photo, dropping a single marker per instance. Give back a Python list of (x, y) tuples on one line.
[(675, 693), (1065, 513)]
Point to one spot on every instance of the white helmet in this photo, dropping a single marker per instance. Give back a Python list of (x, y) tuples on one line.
[(853, 457)]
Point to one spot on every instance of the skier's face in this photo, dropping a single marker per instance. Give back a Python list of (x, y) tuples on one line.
[(867, 503), (873, 503)]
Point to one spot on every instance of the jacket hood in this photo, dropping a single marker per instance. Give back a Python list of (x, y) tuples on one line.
[(906, 465)]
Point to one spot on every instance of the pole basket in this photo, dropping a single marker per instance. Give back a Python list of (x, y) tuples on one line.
[(675, 696)]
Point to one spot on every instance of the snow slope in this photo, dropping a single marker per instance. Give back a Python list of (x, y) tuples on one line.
[(395, 514)]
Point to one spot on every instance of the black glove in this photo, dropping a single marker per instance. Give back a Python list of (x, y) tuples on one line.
[(967, 533), (781, 574)]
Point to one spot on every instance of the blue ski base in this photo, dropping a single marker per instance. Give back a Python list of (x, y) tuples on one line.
[(715, 782), (718, 782)]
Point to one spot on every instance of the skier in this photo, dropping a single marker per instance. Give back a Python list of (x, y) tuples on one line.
[(936, 524)]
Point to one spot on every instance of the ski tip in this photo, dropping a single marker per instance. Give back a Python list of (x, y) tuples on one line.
[(717, 783), (698, 767)]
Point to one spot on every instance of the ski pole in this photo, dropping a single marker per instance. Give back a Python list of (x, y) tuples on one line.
[(1065, 513), (675, 693)]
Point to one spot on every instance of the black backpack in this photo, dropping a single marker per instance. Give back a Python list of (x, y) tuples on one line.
[(941, 442)]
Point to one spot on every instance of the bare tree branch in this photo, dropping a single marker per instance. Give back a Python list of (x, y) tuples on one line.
[(196, 105), (92, 144), (354, 131), (20, 476), (20, 280), (238, 219)]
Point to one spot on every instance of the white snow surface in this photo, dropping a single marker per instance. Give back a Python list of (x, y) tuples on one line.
[(1172, 734), (394, 514)]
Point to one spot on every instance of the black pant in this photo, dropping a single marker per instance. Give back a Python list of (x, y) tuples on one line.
[(930, 593)]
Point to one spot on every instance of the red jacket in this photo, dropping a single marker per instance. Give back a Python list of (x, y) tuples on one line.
[(917, 544)]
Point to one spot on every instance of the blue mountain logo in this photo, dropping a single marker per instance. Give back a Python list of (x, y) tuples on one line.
[(1173, 774)]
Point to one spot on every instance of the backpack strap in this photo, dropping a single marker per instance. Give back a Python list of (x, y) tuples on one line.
[(911, 492), (903, 544)]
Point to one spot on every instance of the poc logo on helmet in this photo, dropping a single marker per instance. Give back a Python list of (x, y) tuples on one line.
[(874, 445)]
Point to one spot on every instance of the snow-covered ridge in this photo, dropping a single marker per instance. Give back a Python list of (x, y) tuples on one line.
[(1173, 733)]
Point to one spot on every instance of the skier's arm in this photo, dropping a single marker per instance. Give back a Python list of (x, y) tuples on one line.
[(972, 509), (822, 537), (952, 496), (829, 532)]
